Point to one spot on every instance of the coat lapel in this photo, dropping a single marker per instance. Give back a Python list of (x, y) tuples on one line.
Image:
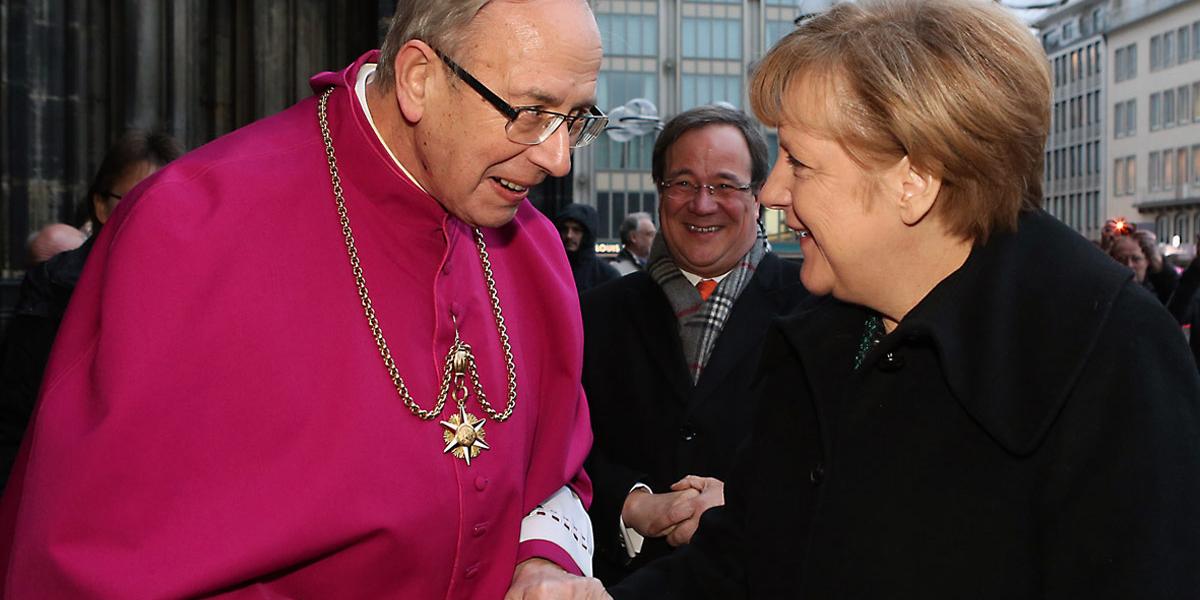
[(659, 332), (743, 331)]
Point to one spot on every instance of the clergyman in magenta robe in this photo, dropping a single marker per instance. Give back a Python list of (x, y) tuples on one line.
[(217, 421)]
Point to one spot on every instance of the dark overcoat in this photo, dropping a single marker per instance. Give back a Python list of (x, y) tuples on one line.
[(1030, 430), (651, 424)]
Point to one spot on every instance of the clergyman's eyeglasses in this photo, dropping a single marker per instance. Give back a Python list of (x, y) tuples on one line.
[(530, 125)]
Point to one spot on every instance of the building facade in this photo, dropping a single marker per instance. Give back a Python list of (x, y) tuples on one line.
[(1154, 93), (678, 54), (75, 73), (1073, 181)]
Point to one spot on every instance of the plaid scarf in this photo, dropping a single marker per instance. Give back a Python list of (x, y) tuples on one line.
[(700, 322)]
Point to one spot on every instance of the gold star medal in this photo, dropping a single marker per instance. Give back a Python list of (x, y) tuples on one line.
[(464, 435)]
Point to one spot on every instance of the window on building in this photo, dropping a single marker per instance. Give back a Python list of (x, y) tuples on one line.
[(1181, 166), (698, 90), (1168, 108), (1068, 31), (1076, 65), (1196, 164), (628, 35), (1131, 117), (1184, 105), (1119, 177), (1183, 50), (1155, 171), (1196, 40), (1155, 53), (1196, 101), (1094, 205), (1047, 171), (1181, 226), (1130, 174), (1168, 49), (1168, 169), (775, 32), (1155, 111), (1119, 64), (712, 38), (1119, 120)]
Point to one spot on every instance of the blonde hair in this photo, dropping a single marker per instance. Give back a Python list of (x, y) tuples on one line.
[(961, 87)]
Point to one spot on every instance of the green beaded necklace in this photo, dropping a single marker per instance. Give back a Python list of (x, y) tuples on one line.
[(872, 333)]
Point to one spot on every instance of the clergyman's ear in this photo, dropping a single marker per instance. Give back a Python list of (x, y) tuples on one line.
[(919, 192), (415, 67)]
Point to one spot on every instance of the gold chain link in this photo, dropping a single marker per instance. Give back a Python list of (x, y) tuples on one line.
[(377, 332)]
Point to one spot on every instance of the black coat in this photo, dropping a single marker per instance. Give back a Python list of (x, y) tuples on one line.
[(45, 292), (1030, 430), (651, 424)]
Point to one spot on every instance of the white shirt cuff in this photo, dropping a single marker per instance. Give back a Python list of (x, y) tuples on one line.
[(562, 521), (630, 538)]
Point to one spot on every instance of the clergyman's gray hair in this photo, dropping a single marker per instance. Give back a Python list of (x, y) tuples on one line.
[(439, 23)]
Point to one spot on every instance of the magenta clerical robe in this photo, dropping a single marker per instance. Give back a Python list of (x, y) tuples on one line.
[(217, 421)]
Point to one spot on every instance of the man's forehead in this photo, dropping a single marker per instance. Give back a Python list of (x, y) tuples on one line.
[(549, 52)]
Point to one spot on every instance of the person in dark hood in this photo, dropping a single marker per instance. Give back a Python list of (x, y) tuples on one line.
[(577, 226)]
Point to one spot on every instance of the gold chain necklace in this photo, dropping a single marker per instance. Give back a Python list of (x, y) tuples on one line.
[(463, 435)]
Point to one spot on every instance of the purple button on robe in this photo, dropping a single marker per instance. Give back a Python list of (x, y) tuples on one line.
[(216, 419)]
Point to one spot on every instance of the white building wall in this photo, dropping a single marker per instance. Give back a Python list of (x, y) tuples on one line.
[(1166, 198)]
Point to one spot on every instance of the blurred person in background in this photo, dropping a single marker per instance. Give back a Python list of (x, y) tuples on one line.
[(577, 225), (986, 407), (1185, 302), (52, 240), (1161, 277), (47, 287), (1127, 251), (637, 234)]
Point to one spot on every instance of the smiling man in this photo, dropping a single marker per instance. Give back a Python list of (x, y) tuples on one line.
[(334, 354), (672, 402)]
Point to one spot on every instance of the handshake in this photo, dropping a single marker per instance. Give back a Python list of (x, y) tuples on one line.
[(675, 514)]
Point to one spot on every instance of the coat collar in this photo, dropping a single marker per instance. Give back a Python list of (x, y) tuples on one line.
[(1012, 328)]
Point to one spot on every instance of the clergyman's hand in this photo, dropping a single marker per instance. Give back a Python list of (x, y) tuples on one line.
[(712, 493), (540, 579), (655, 515)]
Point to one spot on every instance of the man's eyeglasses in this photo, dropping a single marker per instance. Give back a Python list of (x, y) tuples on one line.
[(684, 190), (530, 125)]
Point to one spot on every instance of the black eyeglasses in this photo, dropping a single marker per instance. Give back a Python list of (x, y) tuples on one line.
[(682, 189), (530, 125)]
